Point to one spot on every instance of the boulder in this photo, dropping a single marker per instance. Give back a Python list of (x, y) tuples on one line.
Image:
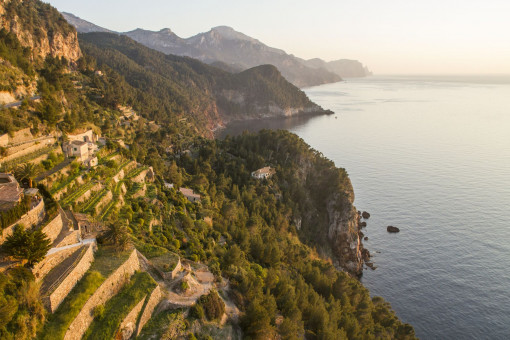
[(365, 215), (392, 229)]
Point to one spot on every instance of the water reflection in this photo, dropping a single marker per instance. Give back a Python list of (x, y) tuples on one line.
[(280, 123)]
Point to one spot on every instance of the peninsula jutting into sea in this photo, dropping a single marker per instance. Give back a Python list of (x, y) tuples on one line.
[(154, 186)]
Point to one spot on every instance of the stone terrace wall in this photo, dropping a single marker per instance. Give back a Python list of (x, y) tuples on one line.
[(41, 269), (34, 216), (71, 279), (119, 176), (73, 237), (103, 202), (154, 300), (128, 325), (140, 177), (53, 228), (107, 290), (86, 195), (21, 136), (26, 150)]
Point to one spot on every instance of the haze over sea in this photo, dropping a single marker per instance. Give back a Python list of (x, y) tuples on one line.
[(430, 155)]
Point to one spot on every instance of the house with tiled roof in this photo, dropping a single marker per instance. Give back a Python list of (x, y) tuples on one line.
[(190, 195), (264, 172), (10, 192)]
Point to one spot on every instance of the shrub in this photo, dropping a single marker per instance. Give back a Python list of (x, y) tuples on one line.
[(213, 305), (197, 311)]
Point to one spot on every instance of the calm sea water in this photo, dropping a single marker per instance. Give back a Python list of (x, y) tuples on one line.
[(430, 155)]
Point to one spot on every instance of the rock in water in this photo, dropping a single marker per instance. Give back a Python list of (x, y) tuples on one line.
[(392, 229), (365, 215), (362, 224)]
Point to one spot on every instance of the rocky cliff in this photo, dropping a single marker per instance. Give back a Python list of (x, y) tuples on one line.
[(323, 195), (343, 232), (41, 27)]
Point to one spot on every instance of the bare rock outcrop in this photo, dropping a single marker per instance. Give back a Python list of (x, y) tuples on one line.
[(52, 37), (343, 233)]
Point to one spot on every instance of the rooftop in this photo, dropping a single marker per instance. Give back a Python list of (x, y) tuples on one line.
[(188, 192), (264, 170), (9, 188)]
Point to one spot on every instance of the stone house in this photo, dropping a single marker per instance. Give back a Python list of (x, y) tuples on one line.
[(264, 172), (190, 195), (76, 148)]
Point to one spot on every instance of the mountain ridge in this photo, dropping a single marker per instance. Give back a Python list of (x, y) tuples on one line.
[(224, 44)]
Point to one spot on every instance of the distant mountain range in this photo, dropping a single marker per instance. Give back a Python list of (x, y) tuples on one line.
[(233, 51)]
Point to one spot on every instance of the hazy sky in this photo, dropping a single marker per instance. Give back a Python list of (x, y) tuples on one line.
[(390, 37)]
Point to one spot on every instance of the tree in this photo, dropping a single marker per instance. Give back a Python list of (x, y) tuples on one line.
[(29, 245), (26, 171), (118, 235)]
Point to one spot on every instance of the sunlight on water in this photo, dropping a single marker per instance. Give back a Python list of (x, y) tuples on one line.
[(431, 156)]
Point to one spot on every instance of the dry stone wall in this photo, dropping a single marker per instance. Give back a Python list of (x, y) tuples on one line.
[(128, 325), (26, 150), (154, 300), (103, 202), (63, 289), (141, 192), (107, 290), (119, 176), (41, 269), (54, 227), (72, 238), (86, 195)]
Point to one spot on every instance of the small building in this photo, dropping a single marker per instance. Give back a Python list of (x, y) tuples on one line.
[(264, 172), (76, 148), (91, 162), (10, 192), (168, 185), (190, 195)]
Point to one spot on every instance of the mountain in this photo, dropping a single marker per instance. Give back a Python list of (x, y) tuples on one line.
[(223, 44), (83, 26), (174, 87), (237, 51), (41, 28), (344, 67), (234, 48)]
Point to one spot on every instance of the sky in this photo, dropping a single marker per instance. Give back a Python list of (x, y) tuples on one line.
[(388, 36)]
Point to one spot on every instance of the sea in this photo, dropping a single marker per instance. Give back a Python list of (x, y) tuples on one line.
[(431, 156)]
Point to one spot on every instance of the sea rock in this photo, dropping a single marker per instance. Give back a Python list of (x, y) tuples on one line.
[(365, 215), (362, 224), (392, 229), (365, 254), (366, 238)]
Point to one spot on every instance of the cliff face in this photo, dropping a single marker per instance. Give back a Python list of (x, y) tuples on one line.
[(343, 232), (40, 27)]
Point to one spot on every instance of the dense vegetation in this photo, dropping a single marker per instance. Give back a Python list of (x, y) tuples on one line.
[(21, 310), (181, 86), (263, 236)]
